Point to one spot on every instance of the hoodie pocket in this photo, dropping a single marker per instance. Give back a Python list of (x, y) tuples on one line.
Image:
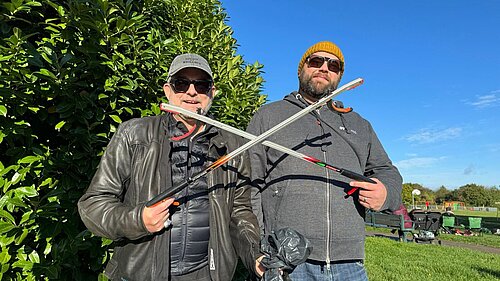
[(279, 193), (303, 209)]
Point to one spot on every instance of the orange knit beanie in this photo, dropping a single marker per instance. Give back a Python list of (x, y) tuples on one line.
[(323, 46)]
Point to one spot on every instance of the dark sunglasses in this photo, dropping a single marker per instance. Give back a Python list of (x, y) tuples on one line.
[(317, 62), (181, 85)]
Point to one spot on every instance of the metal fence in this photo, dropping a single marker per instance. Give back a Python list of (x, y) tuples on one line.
[(441, 207)]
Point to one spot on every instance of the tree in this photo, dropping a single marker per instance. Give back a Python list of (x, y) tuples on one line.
[(71, 71), (442, 194), (495, 196), (426, 194), (406, 193), (475, 195)]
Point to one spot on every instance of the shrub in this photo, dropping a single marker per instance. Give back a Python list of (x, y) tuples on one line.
[(71, 71)]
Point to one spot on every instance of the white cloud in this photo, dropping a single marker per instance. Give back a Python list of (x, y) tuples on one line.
[(431, 136), (490, 100), (469, 170), (418, 162)]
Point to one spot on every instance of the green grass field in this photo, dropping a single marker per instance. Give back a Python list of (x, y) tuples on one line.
[(387, 259), (476, 214), (485, 239)]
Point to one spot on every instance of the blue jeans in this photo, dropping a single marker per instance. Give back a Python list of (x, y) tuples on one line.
[(348, 271)]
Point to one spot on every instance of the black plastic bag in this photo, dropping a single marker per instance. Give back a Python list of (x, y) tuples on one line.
[(283, 250)]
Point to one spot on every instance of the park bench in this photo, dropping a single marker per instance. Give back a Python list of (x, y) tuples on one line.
[(385, 220)]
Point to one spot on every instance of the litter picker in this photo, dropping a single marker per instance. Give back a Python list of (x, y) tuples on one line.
[(349, 174), (224, 159)]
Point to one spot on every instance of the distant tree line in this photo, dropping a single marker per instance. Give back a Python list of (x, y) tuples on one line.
[(471, 194)]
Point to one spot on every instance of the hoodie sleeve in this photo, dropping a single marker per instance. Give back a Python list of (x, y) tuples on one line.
[(380, 166)]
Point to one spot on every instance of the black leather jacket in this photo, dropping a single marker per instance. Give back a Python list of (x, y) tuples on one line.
[(135, 168)]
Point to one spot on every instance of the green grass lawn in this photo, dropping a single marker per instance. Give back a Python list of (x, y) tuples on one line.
[(485, 239), (387, 259), (476, 213)]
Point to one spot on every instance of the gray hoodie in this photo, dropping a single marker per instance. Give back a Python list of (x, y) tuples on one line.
[(292, 193)]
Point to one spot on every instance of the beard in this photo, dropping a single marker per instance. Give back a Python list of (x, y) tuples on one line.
[(315, 90)]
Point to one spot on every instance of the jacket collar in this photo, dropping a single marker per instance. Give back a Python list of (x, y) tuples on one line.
[(296, 99), (218, 140)]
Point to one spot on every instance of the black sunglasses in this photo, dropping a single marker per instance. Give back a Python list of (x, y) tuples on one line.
[(181, 85), (318, 61)]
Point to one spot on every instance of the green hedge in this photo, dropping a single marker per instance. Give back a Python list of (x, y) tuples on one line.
[(70, 72)]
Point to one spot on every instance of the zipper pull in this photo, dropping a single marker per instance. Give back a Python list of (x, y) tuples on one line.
[(212, 259)]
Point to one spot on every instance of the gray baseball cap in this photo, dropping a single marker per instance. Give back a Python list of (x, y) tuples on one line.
[(189, 60)]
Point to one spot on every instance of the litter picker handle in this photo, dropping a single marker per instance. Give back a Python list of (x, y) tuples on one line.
[(356, 176), (165, 195)]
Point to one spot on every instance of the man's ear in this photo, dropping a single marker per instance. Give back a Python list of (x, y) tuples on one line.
[(167, 89), (214, 91)]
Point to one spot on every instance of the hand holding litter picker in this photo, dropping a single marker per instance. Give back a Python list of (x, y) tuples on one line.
[(224, 159)]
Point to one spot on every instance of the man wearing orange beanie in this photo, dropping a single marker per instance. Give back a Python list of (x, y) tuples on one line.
[(310, 199)]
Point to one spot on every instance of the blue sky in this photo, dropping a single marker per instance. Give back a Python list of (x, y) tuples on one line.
[(431, 70)]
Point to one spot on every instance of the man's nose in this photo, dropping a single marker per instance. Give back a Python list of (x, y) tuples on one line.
[(324, 66), (191, 90)]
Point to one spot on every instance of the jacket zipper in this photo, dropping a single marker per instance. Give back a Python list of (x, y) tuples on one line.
[(328, 219), (213, 230), (327, 215), (186, 193)]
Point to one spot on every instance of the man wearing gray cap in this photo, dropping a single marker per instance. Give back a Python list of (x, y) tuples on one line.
[(199, 236)]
